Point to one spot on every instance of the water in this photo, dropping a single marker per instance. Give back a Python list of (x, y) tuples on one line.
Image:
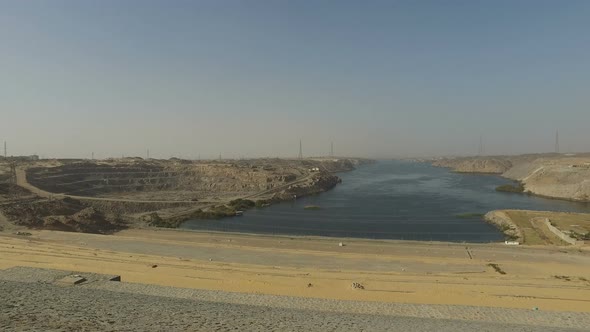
[(393, 200)]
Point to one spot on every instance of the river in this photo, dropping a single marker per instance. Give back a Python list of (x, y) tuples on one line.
[(393, 200)]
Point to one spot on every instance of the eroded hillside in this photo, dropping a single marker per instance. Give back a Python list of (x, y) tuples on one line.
[(550, 175)]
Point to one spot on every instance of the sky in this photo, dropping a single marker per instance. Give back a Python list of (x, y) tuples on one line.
[(379, 79)]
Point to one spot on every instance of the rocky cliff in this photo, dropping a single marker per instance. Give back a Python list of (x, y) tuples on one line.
[(475, 165), (551, 175)]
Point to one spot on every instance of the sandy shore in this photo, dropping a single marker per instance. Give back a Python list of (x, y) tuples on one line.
[(390, 271)]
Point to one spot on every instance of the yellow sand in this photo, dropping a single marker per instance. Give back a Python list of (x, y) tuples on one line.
[(390, 271)]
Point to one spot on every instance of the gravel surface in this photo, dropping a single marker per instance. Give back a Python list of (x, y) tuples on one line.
[(31, 300)]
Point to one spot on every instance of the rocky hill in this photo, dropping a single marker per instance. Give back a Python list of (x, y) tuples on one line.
[(475, 165), (107, 195), (550, 175)]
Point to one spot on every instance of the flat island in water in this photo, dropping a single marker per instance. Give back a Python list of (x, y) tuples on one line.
[(393, 200)]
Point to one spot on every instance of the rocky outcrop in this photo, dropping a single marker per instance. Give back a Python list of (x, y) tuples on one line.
[(475, 165), (503, 222), (317, 184), (61, 214), (565, 178), (552, 175)]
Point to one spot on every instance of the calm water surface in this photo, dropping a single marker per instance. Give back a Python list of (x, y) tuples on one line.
[(393, 200)]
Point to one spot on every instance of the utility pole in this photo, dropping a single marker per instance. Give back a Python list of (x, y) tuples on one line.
[(557, 141), (148, 154), (92, 156), (300, 150), (5, 154)]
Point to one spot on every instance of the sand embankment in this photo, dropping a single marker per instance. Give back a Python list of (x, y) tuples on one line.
[(390, 271)]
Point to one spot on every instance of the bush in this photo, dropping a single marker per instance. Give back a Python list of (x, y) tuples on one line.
[(262, 203), (517, 188), (242, 204), (216, 212)]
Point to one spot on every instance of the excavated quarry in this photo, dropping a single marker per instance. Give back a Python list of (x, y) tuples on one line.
[(107, 195)]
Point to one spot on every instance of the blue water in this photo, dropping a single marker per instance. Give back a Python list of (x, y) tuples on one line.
[(393, 200)]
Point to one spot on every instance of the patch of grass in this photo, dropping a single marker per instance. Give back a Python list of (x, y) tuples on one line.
[(511, 188), (469, 215), (497, 268)]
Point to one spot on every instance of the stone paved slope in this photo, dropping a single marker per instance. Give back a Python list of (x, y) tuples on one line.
[(37, 303)]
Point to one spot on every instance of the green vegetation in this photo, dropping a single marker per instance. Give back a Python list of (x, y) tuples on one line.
[(262, 203), (215, 212), (312, 207), (155, 220), (469, 215), (516, 188), (241, 204), (579, 236), (497, 268)]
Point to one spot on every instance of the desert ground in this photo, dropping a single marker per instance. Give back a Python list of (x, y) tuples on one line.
[(553, 175), (86, 218), (493, 275)]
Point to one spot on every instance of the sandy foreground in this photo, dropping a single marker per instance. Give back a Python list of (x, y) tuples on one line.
[(550, 278)]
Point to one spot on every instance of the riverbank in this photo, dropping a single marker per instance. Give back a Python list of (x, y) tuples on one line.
[(542, 227), (102, 196), (306, 267), (558, 176)]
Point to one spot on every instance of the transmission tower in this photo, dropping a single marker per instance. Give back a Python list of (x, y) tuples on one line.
[(557, 141), (5, 154), (300, 150), (331, 149)]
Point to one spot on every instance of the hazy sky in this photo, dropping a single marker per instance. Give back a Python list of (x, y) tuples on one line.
[(250, 78)]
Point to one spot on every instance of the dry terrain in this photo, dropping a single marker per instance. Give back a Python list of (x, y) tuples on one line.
[(564, 176), (384, 271), (104, 196), (533, 227)]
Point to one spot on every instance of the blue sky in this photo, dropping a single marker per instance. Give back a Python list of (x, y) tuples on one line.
[(251, 78)]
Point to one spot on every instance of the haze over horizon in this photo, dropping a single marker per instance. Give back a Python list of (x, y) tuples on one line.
[(252, 78)]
